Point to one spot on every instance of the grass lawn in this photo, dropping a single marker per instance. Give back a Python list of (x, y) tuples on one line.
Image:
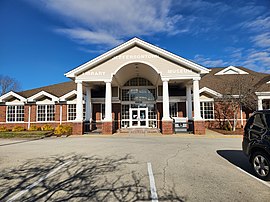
[(24, 134)]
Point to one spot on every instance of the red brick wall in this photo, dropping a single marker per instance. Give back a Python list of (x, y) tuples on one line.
[(64, 112), (2, 113)]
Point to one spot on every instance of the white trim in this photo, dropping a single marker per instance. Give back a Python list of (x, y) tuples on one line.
[(263, 93), (68, 95), (33, 98), (235, 69), (133, 42), (11, 93), (210, 91), (14, 103)]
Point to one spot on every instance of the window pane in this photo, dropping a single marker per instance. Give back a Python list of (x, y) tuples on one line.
[(71, 112), (50, 112), (20, 113), (173, 109), (11, 110), (41, 113), (125, 95), (207, 110)]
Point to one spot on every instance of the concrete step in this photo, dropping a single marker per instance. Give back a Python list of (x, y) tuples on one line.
[(138, 130)]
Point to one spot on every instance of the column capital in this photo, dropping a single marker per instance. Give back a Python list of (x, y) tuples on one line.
[(78, 81), (196, 78), (165, 79), (108, 81)]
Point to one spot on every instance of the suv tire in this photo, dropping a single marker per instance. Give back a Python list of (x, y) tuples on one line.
[(261, 165)]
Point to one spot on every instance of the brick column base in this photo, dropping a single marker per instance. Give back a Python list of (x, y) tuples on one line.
[(167, 127), (107, 128), (199, 127), (77, 128)]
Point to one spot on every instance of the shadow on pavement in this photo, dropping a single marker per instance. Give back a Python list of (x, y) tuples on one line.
[(84, 178), (20, 141), (237, 158)]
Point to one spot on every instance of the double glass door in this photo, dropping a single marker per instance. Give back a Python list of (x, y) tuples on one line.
[(139, 117)]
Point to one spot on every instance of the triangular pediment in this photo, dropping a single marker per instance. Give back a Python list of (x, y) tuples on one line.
[(151, 53), (12, 96), (231, 70)]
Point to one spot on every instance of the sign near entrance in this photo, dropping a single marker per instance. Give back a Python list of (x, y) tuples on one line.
[(94, 73), (139, 56), (178, 71)]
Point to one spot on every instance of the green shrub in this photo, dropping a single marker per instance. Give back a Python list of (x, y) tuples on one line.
[(34, 128), (17, 128), (3, 129), (63, 130), (47, 127)]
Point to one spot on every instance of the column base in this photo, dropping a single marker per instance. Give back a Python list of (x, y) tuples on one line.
[(77, 128), (199, 127), (167, 127), (107, 128)]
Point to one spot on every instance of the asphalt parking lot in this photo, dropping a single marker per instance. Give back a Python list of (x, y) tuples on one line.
[(132, 168)]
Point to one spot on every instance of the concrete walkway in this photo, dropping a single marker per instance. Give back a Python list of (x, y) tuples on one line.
[(209, 134)]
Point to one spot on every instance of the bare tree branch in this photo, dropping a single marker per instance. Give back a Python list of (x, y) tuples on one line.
[(8, 84)]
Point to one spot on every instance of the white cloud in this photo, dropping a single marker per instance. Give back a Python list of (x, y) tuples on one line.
[(262, 40), (208, 62), (88, 37), (259, 24), (108, 22)]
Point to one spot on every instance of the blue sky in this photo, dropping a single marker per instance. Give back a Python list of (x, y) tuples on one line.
[(40, 40)]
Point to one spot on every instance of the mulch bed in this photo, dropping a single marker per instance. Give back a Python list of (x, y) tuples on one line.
[(238, 131)]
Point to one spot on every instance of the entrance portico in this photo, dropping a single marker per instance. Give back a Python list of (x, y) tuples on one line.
[(140, 81)]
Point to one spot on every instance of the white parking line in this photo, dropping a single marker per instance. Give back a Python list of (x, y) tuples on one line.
[(153, 189), (37, 182), (265, 183)]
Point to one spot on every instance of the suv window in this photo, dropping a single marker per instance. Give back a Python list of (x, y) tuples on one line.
[(258, 121), (267, 119)]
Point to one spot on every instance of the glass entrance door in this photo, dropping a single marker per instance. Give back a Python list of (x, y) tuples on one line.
[(139, 117)]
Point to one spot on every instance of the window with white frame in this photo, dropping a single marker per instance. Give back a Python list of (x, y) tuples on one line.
[(207, 110), (45, 112), (15, 113), (71, 112), (173, 109)]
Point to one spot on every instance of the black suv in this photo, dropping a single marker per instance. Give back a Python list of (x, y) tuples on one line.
[(256, 143)]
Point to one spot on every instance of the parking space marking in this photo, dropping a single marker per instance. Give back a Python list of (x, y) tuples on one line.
[(37, 182), (153, 189), (264, 182)]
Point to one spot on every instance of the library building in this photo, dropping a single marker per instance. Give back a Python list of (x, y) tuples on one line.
[(134, 86)]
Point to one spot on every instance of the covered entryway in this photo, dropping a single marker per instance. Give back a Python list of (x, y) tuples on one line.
[(137, 78)]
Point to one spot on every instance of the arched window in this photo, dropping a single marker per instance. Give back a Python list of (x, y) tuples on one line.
[(138, 81)]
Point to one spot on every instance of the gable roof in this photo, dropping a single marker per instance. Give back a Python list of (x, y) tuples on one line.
[(57, 90), (140, 43), (218, 83)]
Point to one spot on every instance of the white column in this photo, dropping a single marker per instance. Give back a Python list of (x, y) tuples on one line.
[(79, 104), (196, 100), (166, 101), (108, 102), (260, 105), (88, 105), (189, 102), (29, 117)]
